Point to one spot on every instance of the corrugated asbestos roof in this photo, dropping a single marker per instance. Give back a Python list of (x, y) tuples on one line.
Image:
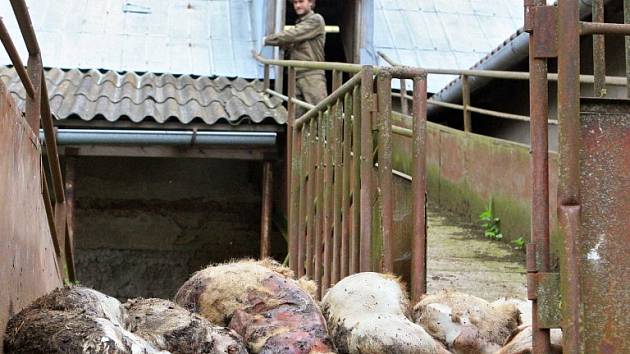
[(92, 94), (199, 37), (451, 34)]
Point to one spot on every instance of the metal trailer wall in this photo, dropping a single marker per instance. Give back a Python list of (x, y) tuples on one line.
[(28, 267)]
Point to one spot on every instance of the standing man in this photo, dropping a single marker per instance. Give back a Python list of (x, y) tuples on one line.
[(305, 42)]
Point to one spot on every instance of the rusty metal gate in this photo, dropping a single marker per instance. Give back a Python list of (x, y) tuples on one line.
[(589, 297), (341, 178)]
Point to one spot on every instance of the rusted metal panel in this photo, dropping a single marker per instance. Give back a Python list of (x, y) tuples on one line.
[(149, 96), (603, 243), (28, 267)]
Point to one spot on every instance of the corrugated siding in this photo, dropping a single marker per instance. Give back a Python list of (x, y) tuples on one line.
[(110, 95), (451, 34), (200, 37)]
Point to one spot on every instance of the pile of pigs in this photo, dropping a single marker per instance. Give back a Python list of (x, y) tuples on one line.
[(259, 307)]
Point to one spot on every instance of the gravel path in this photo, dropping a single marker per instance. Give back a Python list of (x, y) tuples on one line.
[(462, 259)]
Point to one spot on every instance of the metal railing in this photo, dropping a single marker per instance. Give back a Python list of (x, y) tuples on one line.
[(37, 110), (340, 180)]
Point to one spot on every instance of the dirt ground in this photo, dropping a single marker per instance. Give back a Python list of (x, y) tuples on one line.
[(462, 259)]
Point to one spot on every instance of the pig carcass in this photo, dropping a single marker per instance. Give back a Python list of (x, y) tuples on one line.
[(170, 327), (368, 313), (465, 323), (73, 320), (261, 302)]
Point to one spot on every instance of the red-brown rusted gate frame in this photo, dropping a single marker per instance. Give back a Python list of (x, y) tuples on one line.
[(589, 295)]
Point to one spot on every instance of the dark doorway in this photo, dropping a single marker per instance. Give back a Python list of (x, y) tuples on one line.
[(340, 46)]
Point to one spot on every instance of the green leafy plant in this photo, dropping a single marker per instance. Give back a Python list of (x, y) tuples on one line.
[(490, 223), (519, 243)]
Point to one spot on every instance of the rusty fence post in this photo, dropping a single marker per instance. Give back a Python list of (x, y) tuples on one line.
[(356, 181), (384, 97), (293, 169), (367, 109), (538, 250), (304, 160), (599, 52), (33, 104), (419, 188), (310, 196), (265, 212), (319, 192), (345, 188), (328, 205), (466, 103), (337, 190), (569, 179)]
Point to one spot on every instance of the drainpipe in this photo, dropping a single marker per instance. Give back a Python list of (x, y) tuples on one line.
[(162, 137), (515, 50)]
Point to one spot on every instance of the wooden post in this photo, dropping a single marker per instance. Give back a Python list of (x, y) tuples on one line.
[(265, 213), (70, 207)]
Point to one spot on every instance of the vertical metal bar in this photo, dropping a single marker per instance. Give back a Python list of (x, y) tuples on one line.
[(327, 211), (70, 207), (302, 155), (569, 101), (569, 181), (337, 192), (626, 20), (310, 197), (384, 84), (419, 187), (291, 111), (539, 111), (367, 108), (265, 212), (356, 181), (266, 77), (33, 104), (345, 188), (569, 221), (404, 106), (319, 192), (599, 51), (294, 179), (466, 103)]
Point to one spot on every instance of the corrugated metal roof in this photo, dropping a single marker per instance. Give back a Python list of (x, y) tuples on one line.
[(91, 94), (200, 37), (452, 34)]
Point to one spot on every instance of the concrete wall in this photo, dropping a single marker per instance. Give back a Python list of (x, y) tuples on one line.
[(143, 225), (28, 266), (465, 171)]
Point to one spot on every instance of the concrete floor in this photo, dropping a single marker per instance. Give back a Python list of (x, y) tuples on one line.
[(462, 259)]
